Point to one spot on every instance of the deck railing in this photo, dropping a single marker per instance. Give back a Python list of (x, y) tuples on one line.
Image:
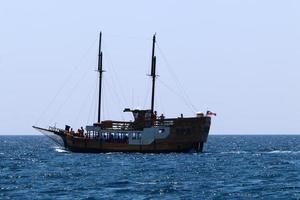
[(53, 128), (127, 126)]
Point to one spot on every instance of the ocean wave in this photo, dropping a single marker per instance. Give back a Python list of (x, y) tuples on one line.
[(113, 153), (246, 169), (282, 151), (234, 152), (268, 152), (146, 183), (60, 150)]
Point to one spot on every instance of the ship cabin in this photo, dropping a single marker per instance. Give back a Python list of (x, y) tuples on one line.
[(115, 131), (144, 125)]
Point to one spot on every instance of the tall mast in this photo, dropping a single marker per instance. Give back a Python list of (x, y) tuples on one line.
[(153, 73), (100, 70)]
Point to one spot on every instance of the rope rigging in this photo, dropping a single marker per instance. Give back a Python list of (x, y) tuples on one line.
[(112, 86), (93, 106), (85, 100), (178, 83), (68, 97), (147, 94), (114, 78), (64, 83), (176, 93)]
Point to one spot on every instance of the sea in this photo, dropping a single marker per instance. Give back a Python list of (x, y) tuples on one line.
[(231, 167)]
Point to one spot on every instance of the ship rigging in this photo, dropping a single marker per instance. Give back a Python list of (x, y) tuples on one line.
[(147, 133)]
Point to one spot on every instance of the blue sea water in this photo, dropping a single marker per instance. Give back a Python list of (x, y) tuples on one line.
[(232, 167)]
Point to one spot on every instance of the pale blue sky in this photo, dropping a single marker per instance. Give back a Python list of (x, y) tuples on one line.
[(240, 59)]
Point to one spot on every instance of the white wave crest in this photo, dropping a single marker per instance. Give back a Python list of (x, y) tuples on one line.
[(60, 150), (234, 152), (283, 151)]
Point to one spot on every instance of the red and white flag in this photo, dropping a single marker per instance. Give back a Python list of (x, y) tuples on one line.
[(209, 113)]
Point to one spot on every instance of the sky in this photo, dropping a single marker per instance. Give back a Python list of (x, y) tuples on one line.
[(237, 58)]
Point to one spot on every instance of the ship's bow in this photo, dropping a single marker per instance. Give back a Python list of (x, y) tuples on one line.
[(56, 135)]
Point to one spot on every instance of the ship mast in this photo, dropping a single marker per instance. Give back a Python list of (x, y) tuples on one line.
[(153, 73), (100, 70)]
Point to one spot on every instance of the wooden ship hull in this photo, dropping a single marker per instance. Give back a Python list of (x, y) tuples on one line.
[(186, 135), (148, 133)]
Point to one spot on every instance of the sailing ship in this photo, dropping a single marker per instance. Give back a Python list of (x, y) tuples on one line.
[(147, 133)]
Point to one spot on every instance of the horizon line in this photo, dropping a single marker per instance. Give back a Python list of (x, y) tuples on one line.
[(40, 134)]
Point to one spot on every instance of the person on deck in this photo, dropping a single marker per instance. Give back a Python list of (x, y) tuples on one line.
[(72, 132)]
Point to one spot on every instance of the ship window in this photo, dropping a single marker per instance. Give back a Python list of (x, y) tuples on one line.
[(148, 115), (136, 136), (161, 130), (136, 115)]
